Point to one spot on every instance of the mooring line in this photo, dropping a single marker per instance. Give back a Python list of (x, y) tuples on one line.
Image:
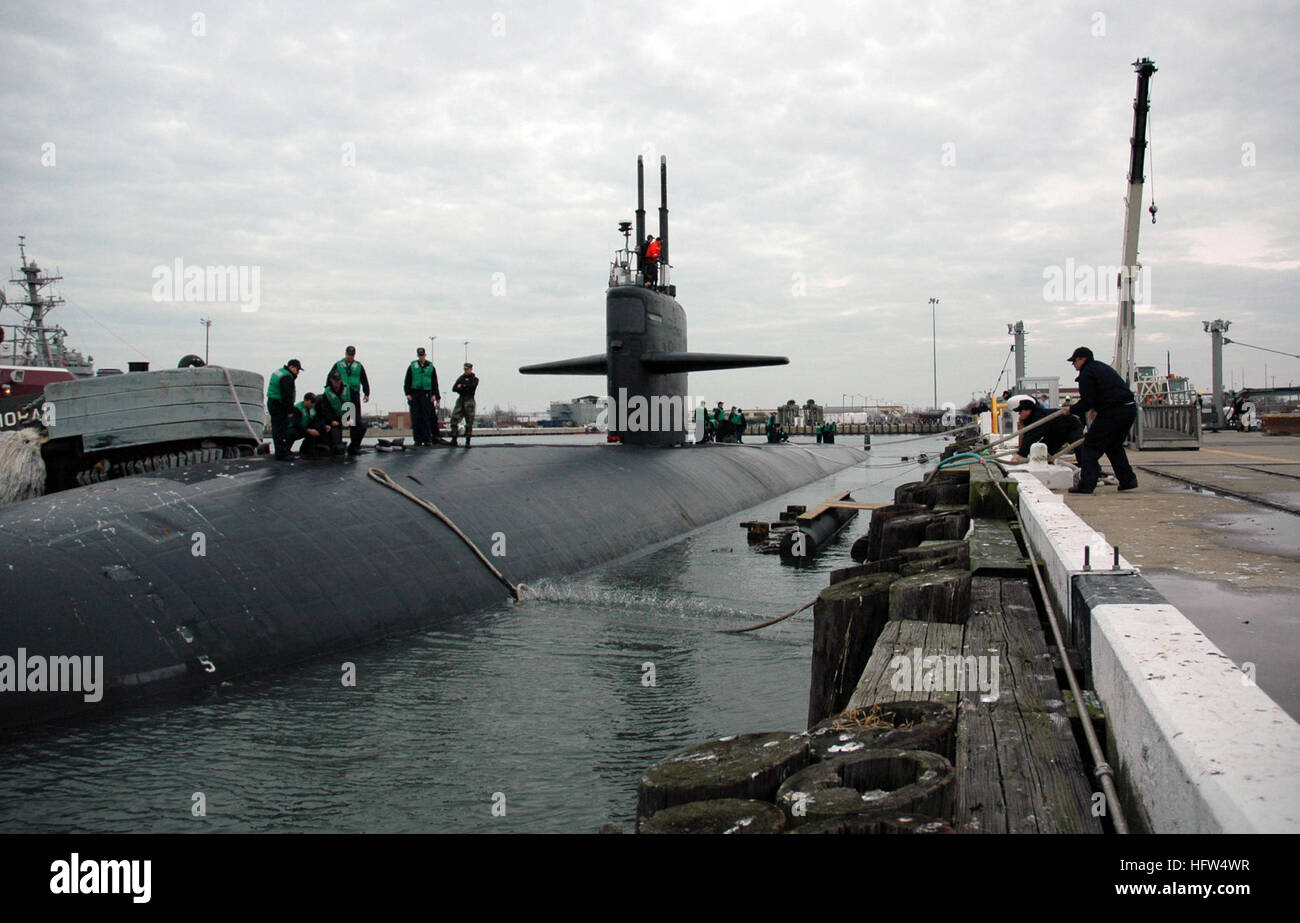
[(779, 618), (383, 478)]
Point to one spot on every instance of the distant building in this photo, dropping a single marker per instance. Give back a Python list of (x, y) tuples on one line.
[(581, 411)]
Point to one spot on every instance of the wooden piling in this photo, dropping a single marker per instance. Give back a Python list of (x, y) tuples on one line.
[(985, 500), (906, 725), (847, 619), (745, 766), (933, 555), (870, 781), (932, 596), (719, 816), (899, 823)]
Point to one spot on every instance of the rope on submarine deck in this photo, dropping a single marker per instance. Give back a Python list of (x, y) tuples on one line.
[(383, 478)]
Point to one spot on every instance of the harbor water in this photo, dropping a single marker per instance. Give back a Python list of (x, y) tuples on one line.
[(531, 717)]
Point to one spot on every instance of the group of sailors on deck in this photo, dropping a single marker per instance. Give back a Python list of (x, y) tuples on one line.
[(319, 419)]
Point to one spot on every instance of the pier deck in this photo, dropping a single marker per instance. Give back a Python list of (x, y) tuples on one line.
[(1018, 768), (1230, 561)]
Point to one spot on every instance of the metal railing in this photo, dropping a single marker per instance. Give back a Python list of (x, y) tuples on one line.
[(1167, 426), (622, 271)]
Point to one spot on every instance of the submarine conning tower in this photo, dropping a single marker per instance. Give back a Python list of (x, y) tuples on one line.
[(646, 361)]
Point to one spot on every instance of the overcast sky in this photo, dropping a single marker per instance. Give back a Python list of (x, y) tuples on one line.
[(397, 171)]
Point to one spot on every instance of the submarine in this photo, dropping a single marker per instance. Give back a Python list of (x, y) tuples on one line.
[(163, 583)]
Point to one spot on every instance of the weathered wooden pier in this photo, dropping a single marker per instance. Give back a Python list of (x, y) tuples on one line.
[(935, 704)]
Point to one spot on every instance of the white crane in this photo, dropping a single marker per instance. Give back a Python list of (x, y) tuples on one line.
[(1125, 324)]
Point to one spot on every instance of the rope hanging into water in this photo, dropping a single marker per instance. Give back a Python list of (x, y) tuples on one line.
[(779, 618), (383, 478)]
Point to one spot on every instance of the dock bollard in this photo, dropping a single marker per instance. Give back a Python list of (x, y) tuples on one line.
[(1115, 564)]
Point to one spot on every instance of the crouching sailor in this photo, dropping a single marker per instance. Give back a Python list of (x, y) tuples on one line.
[(341, 404), (333, 412), (305, 425), (1056, 435), (279, 404)]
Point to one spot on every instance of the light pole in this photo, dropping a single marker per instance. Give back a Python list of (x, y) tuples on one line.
[(207, 335), (467, 350), (431, 339), (934, 349)]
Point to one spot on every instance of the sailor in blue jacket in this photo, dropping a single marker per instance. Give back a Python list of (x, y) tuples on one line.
[(1103, 391)]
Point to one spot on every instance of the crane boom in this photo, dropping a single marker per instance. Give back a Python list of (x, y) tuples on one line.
[(1125, 325)]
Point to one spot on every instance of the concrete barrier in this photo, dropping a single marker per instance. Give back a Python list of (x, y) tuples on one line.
[(1197, 747)]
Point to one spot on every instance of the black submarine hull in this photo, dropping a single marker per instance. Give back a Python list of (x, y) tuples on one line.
[(224, 571)]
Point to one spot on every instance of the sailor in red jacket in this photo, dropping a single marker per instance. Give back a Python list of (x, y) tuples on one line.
[(651, 265)]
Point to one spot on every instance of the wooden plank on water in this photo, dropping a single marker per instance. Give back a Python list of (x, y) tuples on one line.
[(843, 505), (994, 549), (824, 505)]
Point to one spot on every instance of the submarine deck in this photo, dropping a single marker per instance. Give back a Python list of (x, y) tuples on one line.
[(198, 575)]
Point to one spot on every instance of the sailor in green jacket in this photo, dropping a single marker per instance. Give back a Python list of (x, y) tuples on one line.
[(421, 387), (721, 424), (279, 404), (738, 423), (305, 425), (335, 410), (354, 376)]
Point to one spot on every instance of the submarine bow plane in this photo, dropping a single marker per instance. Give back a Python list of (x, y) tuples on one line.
[(201, 575)]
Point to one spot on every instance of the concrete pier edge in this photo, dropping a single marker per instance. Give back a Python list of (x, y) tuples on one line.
[(1197, 747)]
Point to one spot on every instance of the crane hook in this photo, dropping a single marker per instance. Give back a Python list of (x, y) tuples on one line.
[(1152, 210)]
